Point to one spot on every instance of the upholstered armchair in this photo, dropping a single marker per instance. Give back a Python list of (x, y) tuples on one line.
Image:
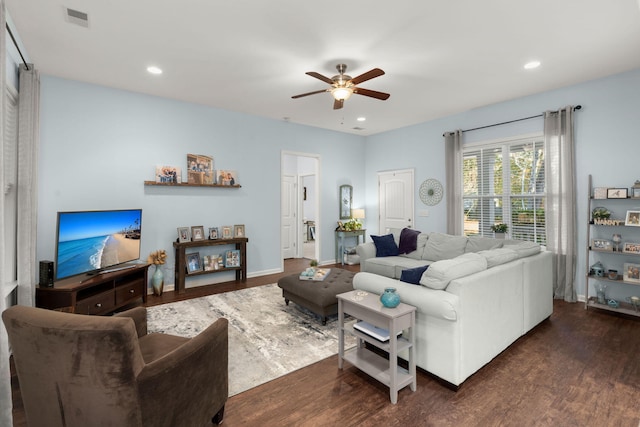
[(78, 370)]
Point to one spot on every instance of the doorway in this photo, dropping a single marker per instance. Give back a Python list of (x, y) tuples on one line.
[(395, 199), (300, 206)]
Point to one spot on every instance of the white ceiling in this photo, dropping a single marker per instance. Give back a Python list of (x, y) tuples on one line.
[(440, 57)]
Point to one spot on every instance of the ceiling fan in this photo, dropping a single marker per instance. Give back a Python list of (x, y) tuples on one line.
[(343, 85)]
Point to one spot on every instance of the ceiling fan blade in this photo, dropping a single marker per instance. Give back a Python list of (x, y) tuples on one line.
[(319, 77), (376, 72), (309, 93), (338, 104), (371, 93)]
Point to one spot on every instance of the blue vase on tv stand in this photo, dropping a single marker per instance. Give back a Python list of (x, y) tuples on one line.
[(390, 298), (157, 280)]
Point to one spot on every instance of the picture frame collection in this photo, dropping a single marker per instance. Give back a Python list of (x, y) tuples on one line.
[(200, 171), (632, 192), (196, 233)]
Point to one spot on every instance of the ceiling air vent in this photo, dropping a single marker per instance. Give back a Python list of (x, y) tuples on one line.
[(78, 18), (357, 128)]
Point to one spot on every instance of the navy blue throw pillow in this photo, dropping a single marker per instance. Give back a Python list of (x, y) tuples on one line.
[(413, 275), (385, 245)]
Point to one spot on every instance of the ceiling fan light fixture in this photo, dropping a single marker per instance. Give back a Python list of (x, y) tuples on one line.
[(341, 93)]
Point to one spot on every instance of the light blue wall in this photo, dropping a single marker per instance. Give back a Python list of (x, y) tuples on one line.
[(607, 138), (98, 145)]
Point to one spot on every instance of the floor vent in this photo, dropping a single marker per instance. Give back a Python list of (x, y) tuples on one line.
[(78, 18)]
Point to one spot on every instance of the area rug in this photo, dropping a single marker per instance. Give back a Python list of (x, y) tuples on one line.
[(267, 339)]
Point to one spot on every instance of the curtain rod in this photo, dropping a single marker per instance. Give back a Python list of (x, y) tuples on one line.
[(577, 107), (15, 43)]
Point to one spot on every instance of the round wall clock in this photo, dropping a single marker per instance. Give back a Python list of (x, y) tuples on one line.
[(431, 192)]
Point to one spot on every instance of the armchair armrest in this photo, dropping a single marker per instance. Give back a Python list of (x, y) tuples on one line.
[(139, 316), (366, 250), (191, 380)]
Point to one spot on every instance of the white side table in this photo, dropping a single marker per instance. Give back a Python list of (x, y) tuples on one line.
[(395, 320)]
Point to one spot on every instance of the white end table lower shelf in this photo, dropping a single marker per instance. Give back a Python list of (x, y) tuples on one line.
[(366, 306)]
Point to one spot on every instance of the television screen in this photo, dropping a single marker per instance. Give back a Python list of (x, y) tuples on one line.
[(88, 241)]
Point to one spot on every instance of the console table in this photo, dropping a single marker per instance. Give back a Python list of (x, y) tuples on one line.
[(101, 293), (366, 306), (341, 234), (181, 261)]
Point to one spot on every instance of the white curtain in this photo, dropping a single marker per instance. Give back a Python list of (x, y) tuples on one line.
[(28, 137), (561, 200), (5, 377), (453, 186)]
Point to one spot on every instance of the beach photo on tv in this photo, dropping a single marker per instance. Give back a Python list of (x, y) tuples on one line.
[(95, 240)]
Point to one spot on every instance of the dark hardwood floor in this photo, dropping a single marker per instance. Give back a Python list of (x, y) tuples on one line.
[(579, 368)]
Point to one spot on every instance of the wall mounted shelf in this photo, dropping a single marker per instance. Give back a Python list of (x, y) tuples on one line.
[(186, 184)]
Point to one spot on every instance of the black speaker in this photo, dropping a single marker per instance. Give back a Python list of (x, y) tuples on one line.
[(46, 273)]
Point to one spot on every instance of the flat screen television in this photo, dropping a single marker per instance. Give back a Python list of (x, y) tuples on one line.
[(95, 241)]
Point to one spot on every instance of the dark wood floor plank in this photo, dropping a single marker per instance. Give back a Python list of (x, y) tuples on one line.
[(579, 368)]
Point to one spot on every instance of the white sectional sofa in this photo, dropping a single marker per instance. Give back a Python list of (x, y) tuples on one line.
[(476, 298)]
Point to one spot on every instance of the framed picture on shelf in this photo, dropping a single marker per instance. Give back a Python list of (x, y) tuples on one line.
[(631, 272), (601, 245), (213, 233), (617, 193), (631, 248), (227, 177), (635, 193), (632, 219), (232, 258), (600, 193), (193, 263), (168, 174), (184, 234), (199, 169), (238, 230), (227, 232), (197, 232), (207, 263)]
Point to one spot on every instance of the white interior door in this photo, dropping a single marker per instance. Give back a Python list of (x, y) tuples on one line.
[(395, 199), (288, 221)]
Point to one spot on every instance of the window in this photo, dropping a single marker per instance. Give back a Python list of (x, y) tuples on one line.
[(509, 191), (10, 170)]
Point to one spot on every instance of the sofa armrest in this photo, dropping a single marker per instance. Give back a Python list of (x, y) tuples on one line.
[(366, 250), (199, 367), (139, 316)]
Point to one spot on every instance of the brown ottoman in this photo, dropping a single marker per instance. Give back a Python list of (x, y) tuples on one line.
[(318, 297)]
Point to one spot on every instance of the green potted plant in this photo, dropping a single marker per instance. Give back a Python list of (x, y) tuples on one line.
[(499, 230)]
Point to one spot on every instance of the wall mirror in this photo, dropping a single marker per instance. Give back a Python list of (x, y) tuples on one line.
[(346, 194)]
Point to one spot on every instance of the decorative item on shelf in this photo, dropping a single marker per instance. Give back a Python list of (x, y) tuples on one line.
[(635, 302), (613, 274), (596, 270), (635, 190), (431, 192), (631, 248), (617, 239), (194, 264), (197, 232), (157, 258), (227, 232), (238, 230), (600, 193), (227, 177), (631, 272), (632, 219), (613, 303), (499, 230), (200, 169), (168, 174), (617, 193), (184, 234), (601, 289), (390, 298), (601, 245), (600, 213), (232, 258)]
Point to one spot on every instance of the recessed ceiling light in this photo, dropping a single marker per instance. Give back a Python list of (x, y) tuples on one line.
[(531, 65), (361, 119), (154, 70)]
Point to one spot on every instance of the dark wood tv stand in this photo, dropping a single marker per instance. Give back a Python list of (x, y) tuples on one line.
[(99, 294)]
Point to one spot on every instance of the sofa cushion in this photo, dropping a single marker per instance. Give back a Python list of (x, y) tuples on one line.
[(444, 246), (498, 256), (385, 245), (440, 273), (523, 248), (408, 240), (479, 243), (391, 266), (413, 275)]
